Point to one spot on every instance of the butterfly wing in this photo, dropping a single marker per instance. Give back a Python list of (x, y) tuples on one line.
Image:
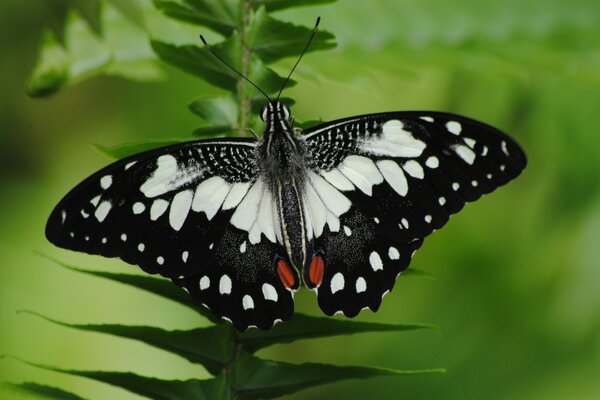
[(404, 174), (187, 212)]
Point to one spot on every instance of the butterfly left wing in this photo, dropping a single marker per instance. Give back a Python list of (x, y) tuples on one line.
[(196, 212), (404, 174)]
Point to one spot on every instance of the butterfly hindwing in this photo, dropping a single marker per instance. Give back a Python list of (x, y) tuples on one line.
[(402, 174)]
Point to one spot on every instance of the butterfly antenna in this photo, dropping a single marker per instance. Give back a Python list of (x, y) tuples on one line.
[(214, 53), (312, 36)]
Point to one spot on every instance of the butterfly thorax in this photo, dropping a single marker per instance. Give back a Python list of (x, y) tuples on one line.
[(284, 169)]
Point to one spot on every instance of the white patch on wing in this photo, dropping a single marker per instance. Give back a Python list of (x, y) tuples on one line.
[(470, 142), (504, 147), (454, 127), (224, 285), (95, 201), (269, 292), (138, 207), (265, 220), (465, 153), (394, 176), (247, 302), (393, 253), (255, 215), (428, 119), (337, 179), (162, 180), (102, 210), (158, 208), (375, 261), (432, 162), (333, 200), (394, 141), (361, 285), (180, 207), (106, 181), (204, 282), (317, 210), (414, 169), (209, 196), (337, 282), (236, 194), (362, 172)]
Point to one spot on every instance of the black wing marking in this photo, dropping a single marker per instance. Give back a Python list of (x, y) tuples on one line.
[(240, 282), (399, 176), (163, 210)]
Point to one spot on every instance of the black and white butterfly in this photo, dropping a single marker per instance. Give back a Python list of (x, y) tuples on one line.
[(241, 223)]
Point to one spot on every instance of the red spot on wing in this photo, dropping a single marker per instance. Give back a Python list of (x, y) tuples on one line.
[(286, 275), (316, 270)]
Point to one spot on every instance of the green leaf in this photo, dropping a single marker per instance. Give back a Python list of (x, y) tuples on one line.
[(274, 5), (122, 50), (214, 131), (307, 327), (255, 378), (272, 39), (159, 286), (127, 149), (192, 389), (200, 62), (210, 347), (38, 391), (222, 16), (216, 111)]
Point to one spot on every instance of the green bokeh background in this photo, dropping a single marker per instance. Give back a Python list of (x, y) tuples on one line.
[(518, 279)]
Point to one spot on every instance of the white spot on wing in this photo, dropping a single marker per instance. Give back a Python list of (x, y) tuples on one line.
[(124, 237), (129, 165), (209, 196), (362, 172), (361, 285), (102, 210), (455, 186), (375, 261), (414, 169), (163, 177), (184, 256), (204, 283), (428, 119), (337, 282), (225, 285), (247, 302), (432, 162), (470, 142), (141, 247), (454, 127), (160, 260), (394, 141), (95, 201), (63, 216), (158, 208), (236, 194), (404, 223), (337, 179), (393, 253), (266, 216), (465, 153), (180, 207), (243, 247), (347, 231), (269, 292), (428, 219), (394, 176), (504, 147), (246, 212), (442, 200), (138, 208), (106, 181)]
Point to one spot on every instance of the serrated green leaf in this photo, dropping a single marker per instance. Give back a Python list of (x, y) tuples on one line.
[(216, 111), (157, 389), (200, 62), (210, 347), (37, 391), (272, 39), (159, 286), (121, 50), (127, 149), (307, 327), (221, 16), (255, 378), (274, 5)]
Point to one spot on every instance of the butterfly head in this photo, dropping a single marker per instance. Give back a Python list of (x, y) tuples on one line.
[(276, 116)]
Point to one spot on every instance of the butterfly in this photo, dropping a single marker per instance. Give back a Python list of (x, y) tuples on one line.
[(242, 223)]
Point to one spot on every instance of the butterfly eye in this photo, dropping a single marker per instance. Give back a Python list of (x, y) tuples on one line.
[(286, 112), (263, 113)]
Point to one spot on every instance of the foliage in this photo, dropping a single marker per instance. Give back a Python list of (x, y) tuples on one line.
[(251, 40)]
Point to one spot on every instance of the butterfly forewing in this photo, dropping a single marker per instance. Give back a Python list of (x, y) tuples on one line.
[(404, 174)]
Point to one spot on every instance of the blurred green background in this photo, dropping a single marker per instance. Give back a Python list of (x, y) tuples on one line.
[(518, 279)]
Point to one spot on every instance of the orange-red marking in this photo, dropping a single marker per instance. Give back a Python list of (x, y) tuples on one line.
[(286, 275), (316, 270)]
